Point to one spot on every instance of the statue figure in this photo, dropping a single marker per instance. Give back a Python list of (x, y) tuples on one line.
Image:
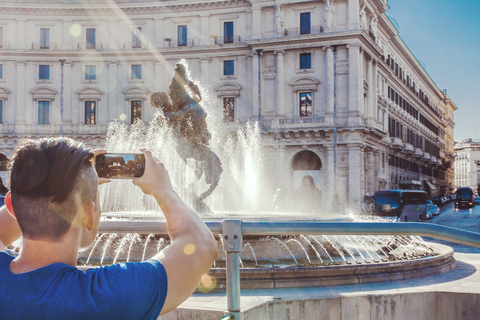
[(363, 17), (328, 13), (373, 25), (278, 19), (188, 121)]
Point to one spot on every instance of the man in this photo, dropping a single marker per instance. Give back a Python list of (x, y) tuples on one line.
[(54, 197)]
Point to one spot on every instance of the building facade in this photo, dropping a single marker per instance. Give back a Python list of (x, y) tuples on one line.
[(337, 93), (467, 163)]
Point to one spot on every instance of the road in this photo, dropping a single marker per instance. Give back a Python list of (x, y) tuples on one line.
[(466, 219)]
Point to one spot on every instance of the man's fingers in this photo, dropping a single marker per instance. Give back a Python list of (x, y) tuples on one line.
[(96, 152)]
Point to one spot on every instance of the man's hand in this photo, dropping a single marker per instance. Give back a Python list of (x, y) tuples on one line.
[(96, 152), (155, 179)]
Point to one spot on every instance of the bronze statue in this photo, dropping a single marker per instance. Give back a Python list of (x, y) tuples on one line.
[(188, 121)]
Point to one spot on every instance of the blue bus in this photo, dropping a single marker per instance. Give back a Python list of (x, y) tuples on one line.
[(406, 205)]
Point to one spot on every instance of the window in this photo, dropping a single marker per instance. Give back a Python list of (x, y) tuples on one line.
[(1, 37), (90, 73), (90, 112), (1, 111), (43, 112), (228, 109), (305, 104), (228, 32), (90, 38), (1, 71), (305, 23), (228, 68), (44, 72), (136, 71), (136, 42), (44, 38), (136, 106), (182, 35), (305, 61)]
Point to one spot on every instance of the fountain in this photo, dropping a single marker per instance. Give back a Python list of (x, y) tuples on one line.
[(225, 176)]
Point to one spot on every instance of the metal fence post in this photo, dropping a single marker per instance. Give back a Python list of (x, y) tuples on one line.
[(232, 245)]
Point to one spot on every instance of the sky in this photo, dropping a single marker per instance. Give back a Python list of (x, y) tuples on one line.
[(444, 35)]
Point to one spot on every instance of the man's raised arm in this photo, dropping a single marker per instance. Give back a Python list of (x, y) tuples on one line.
[(9, 229), (193, 249)]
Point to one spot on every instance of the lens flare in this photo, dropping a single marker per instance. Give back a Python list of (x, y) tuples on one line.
[(123, 117), (75, 30), (208, 283), (189, 249)]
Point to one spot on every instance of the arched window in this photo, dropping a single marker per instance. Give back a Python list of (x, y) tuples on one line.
[(306, 160)]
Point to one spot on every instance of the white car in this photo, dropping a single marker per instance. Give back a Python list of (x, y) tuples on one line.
[(432, 210)]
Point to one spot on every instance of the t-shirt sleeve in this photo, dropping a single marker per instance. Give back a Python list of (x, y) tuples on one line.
[(132, 290)]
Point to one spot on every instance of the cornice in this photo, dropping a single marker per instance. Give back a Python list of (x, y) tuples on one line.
[(130, 8)]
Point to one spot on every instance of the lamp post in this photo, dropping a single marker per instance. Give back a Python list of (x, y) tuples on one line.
[(62, 62), (259, 52), (336, 200)]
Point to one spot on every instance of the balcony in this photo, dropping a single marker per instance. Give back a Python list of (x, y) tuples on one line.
[(44, 46), (409, 148), (301, 120), (178, 43), (433, 160), (439, 162), (136, 45), (418, 153), (426, 156), (396, 143), (302, 31), (226, 40), (89, 46)]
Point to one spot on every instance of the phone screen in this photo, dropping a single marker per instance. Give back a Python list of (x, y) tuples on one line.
[(120, 165)]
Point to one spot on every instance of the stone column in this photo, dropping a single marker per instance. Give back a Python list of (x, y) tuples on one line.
[(67, 37), (112, 38), (249, 98), (353, 78), (20, 96), (204, 30), (330, 175), (354, 165), (371, 90), (353, 14), (159, 33), (205, 69), (361, 77), (114, 108), (369, 166), (255, 84), (257, 22), (67, 97), (376, 167), (330, 81), (20, 36), (375, 89), (280, 83)]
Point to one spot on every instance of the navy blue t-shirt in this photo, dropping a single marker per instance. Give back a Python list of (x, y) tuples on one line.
[(58, 291)]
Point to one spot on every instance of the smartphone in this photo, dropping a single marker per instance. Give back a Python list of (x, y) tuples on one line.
[(120, 165)]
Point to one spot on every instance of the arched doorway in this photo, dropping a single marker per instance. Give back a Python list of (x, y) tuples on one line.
[(307, 177)]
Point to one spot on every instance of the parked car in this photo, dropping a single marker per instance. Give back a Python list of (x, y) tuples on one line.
[(452, 197), (432, 208)]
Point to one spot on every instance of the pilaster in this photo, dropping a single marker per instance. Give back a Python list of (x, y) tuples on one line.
[(20, 36), (112, 38), (159, 77), (280, 82), (204, 30), (354, 157), (353, 14), (115, 109), (257, 22), (205, 69), (20, 98), (330, 85), (353, 79)]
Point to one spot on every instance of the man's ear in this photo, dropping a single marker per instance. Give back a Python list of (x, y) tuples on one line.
[(8, 203), (88, 215)]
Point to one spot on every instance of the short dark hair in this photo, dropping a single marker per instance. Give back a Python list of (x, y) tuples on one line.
[(49, 180)]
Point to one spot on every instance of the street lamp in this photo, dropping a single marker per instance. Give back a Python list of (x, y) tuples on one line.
[(62, 62)]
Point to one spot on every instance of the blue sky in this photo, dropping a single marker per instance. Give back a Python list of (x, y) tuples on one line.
[(444, 35)]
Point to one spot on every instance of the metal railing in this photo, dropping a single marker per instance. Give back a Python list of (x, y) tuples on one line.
[(232, 232)]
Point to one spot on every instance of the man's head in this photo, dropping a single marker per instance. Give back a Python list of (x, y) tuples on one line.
[(51, 179)]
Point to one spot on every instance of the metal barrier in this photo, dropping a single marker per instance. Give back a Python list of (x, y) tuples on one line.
[(232, 232)]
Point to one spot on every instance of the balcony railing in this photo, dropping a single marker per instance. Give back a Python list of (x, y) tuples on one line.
[(418, 153), (396, 142), (232, 232), (135, 45), (302, 31), (426, 156), (44, 46), (227, 40), (296, 120), (4, 45), (409, 148), (176, 43), (90, 46)]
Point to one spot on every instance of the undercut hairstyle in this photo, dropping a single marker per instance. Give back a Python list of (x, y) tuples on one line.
[(50, 179)]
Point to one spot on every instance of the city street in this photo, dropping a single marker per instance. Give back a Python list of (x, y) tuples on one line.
[(465, 219)]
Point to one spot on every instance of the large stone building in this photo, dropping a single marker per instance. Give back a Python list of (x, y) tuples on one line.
[(467, 163), (341, 95)]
